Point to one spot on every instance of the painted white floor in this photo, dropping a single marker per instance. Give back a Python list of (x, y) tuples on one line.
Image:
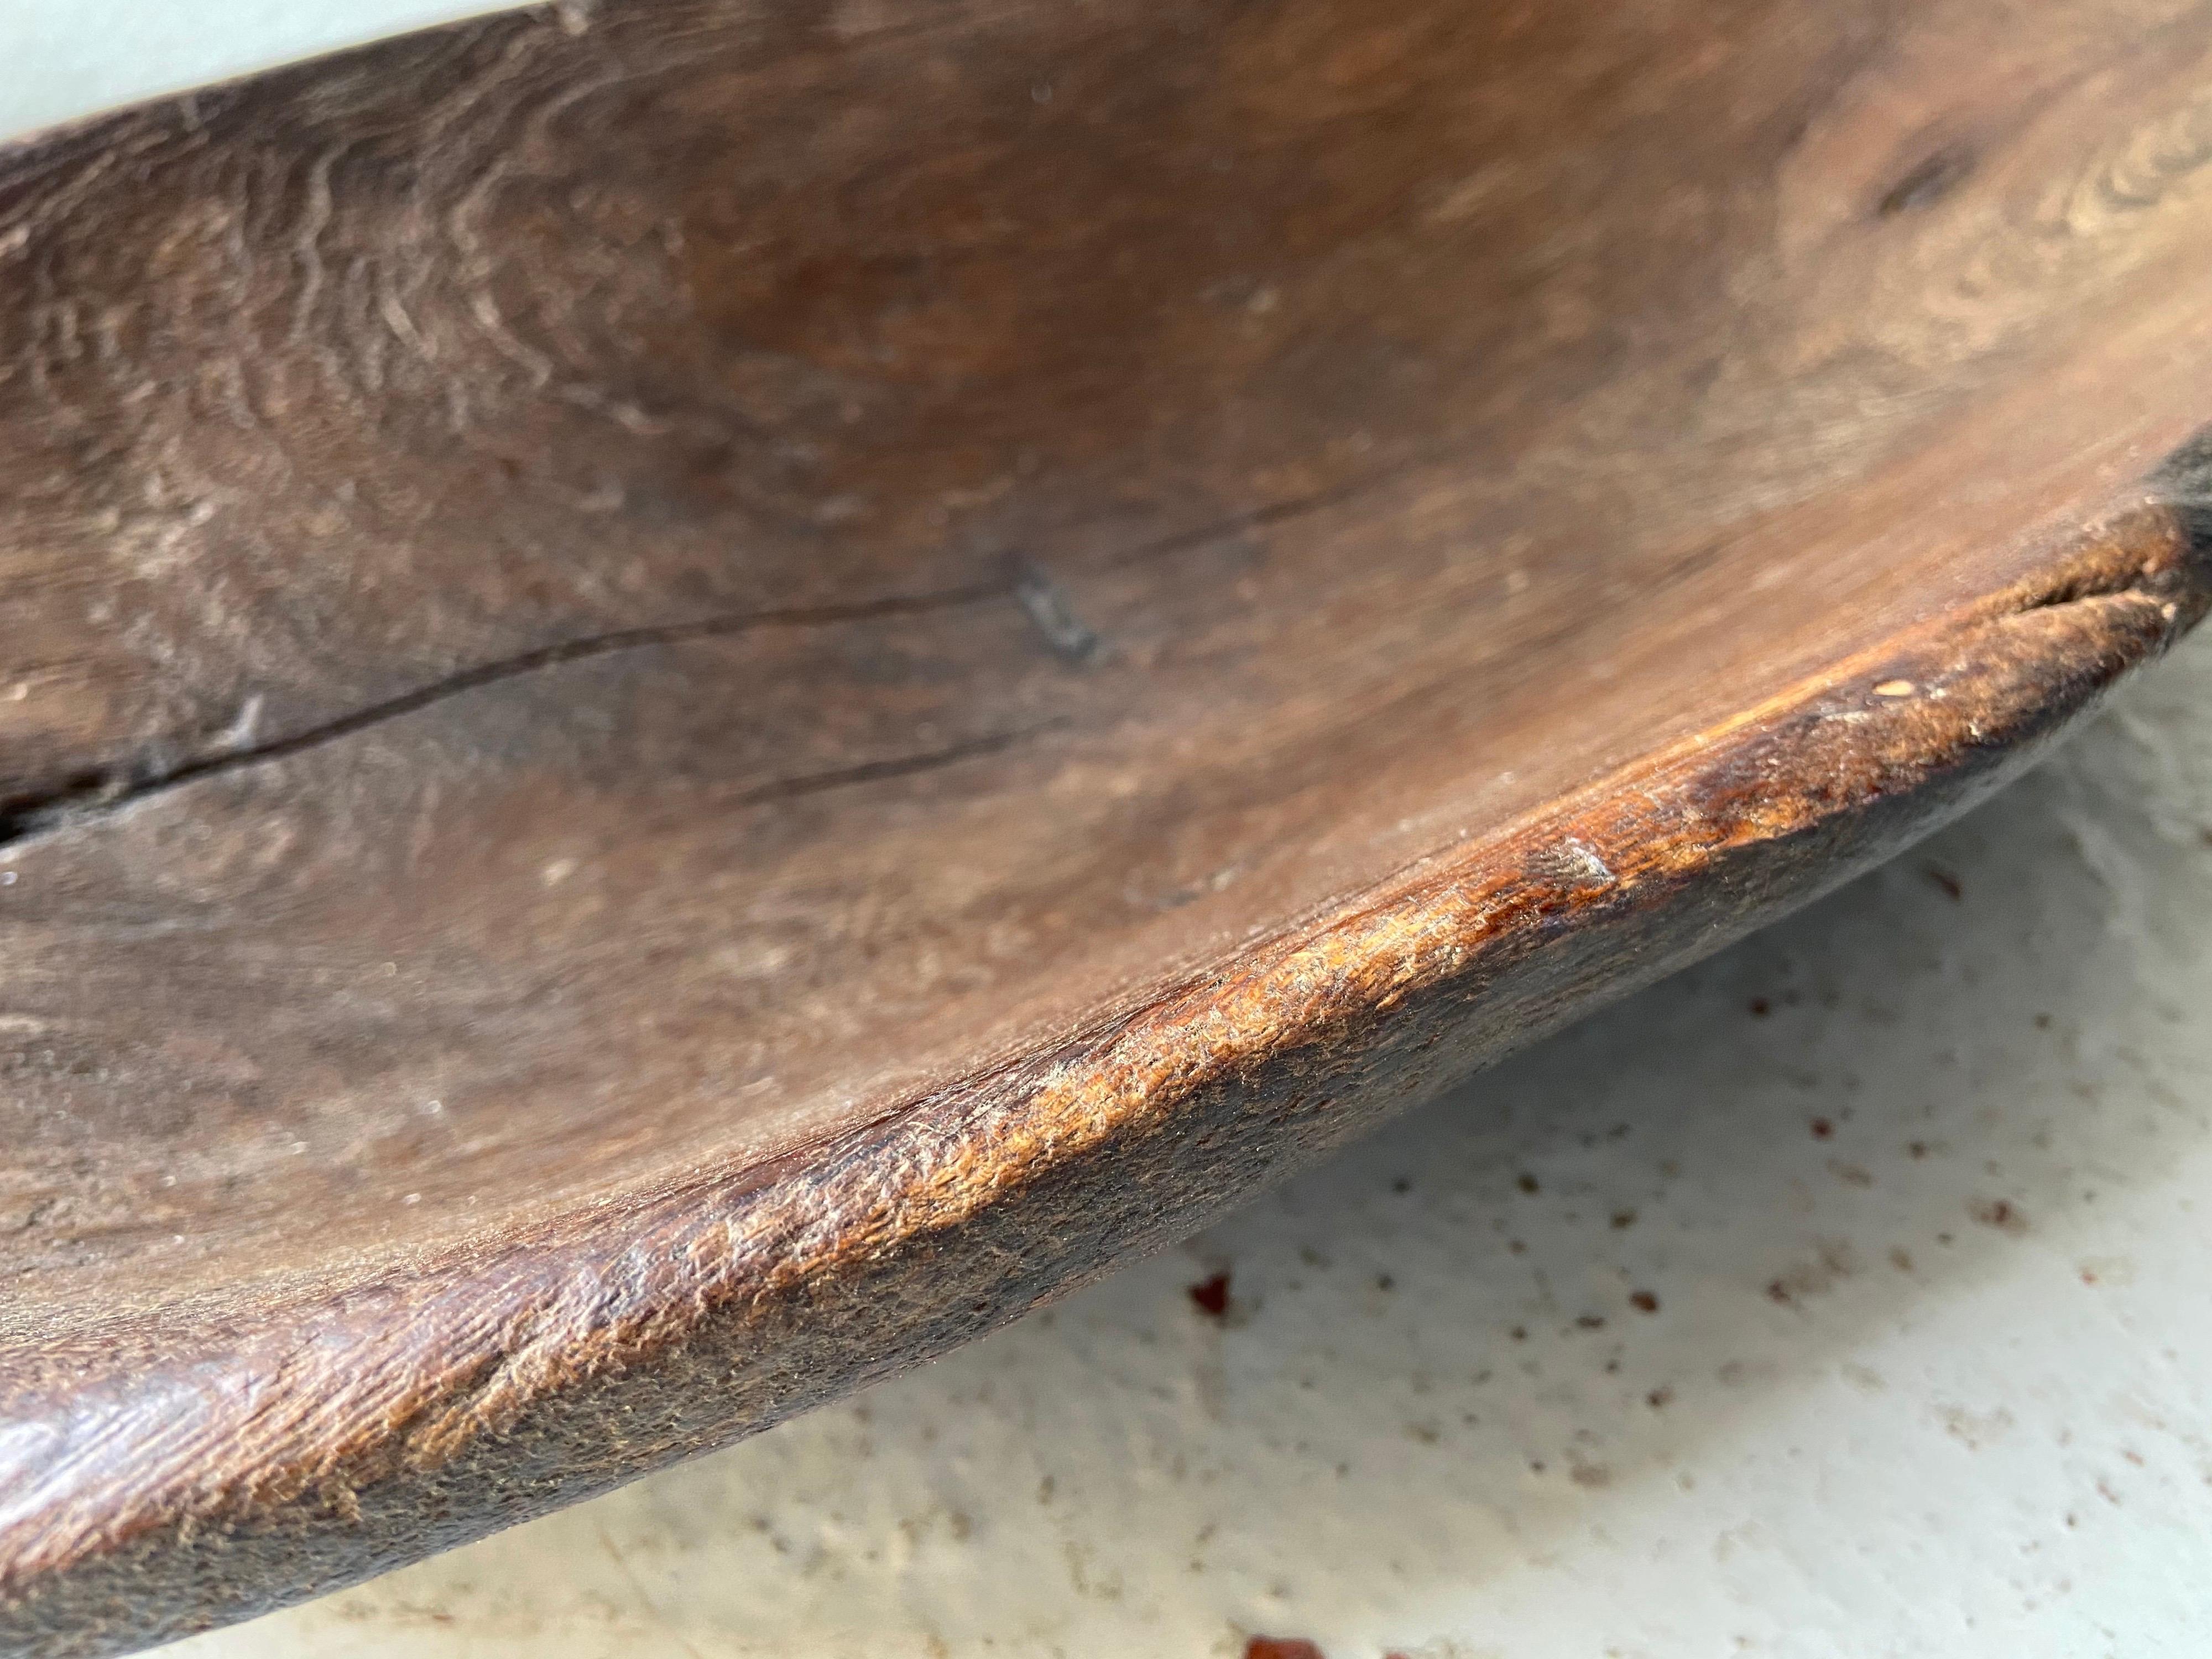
[(1918, 1184), (62, 59)]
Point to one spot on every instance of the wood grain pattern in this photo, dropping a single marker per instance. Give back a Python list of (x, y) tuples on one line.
[(700, 694)]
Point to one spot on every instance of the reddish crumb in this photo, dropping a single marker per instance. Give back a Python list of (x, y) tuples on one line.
[(1212, 1296), (2001, 1213), (1822, 1129), (1918, 1149), (1281, 1647), (1761, 1007), (1527, 1182), (1643, 1302), (1950, 883), (1658, 1398)]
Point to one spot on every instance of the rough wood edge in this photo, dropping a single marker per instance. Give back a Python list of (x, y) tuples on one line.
[(411, 1414)]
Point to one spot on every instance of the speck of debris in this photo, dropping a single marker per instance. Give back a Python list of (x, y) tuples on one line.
[(2043, 1021), (1952, 887), (1516, 1247), (1836, 1261), (1894, 689), (1918, 1149), (1865, 1379), (1643, 1302), (1590, 861), (1901, 1258), (2001, 1213), (1519, 1333), (1659, 1397), (1384, 1282), (1281, 1647), (1211, 1295), (1591, 1322), (1527, 1182), (1046, 604), (1623, 1218), (1401, 1185), (1761, 1007), (1822, 1129)]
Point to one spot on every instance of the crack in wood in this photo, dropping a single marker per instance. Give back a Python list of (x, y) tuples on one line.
[(102, 794)]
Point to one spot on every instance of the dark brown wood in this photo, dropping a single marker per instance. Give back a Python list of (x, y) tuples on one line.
[(701, 694)]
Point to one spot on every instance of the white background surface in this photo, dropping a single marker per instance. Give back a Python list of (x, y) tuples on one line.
[(1918, 1183), (60, 59)]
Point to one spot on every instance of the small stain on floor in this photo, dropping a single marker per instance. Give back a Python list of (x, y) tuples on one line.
[(1211, 1295)]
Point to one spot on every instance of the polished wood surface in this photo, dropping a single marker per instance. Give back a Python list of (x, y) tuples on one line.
[(701, 693)]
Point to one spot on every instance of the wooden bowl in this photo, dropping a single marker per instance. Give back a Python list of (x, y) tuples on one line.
[(701, 694)]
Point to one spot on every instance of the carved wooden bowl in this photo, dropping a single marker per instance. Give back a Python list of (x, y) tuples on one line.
[(700, 694)]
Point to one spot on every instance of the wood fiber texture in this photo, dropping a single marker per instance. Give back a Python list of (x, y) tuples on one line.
[(700, 694)]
